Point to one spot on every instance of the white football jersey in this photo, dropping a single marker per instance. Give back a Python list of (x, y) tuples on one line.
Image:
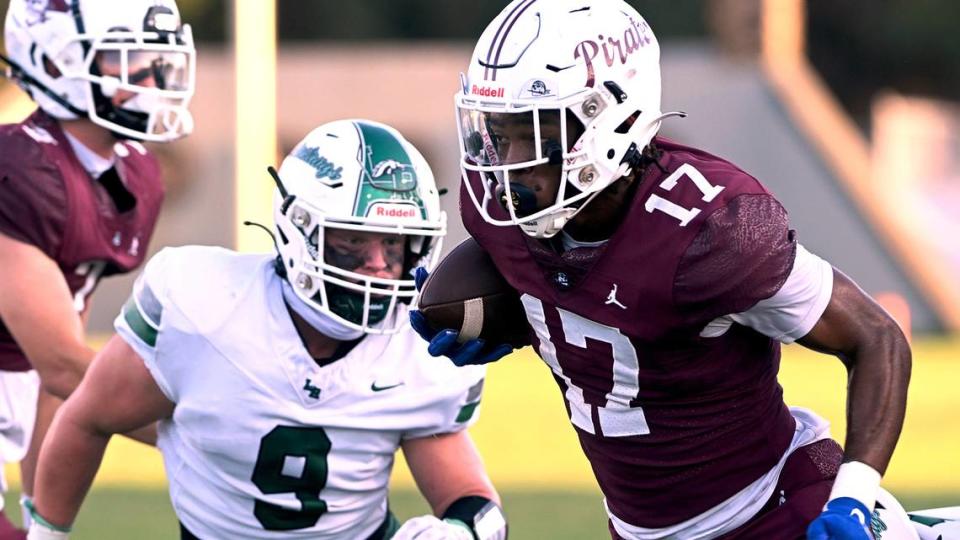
[(263, 442)]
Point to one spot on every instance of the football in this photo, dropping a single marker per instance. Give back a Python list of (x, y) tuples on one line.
[(466, 292)]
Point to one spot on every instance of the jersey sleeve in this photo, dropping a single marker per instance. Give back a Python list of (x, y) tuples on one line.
[(33, 199), (743, 253), (792, 312), (456, 404), (140, 322)]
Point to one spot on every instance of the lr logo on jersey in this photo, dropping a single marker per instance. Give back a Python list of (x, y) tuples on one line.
[(311, 389)]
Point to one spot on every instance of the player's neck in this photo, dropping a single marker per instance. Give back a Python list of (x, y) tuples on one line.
[(97, 139), (318, 345), (603, 215)]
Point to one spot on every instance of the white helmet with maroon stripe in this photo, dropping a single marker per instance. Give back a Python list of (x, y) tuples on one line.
[(593, 66), (355, 175), (127, 65)]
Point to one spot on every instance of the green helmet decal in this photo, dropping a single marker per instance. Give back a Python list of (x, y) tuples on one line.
[(388, 186)]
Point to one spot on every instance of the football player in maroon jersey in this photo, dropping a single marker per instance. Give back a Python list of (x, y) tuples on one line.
[(659, 281), (79, 194)]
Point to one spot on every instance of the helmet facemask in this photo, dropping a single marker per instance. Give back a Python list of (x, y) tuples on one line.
[(329, 277), (527, 162), (141, 90)]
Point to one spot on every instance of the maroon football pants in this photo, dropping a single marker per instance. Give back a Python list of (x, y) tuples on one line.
[(801, 492)]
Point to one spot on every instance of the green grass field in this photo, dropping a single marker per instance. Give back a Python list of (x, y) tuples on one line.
[(534, 459), (145, 514)]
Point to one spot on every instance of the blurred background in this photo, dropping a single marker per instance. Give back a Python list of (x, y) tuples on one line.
[(847, 111)]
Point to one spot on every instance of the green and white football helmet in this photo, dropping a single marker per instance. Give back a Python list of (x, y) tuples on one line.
[(363, 176)]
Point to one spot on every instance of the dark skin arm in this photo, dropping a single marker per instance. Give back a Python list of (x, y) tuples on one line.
[(877, 356)]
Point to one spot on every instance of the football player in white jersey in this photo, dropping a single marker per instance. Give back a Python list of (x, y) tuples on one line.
[(284, 384)]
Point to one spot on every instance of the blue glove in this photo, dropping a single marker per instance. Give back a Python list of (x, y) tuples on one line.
[(444, 342), (844, 518)]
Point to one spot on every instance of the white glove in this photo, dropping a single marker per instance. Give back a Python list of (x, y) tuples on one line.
[(431, 528)]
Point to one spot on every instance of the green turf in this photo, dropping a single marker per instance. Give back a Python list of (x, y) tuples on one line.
[(146, 514)]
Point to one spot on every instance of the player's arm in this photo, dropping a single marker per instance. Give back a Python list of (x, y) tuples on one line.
[(450, 474), (877, 357), (36, 306), (118, 394)]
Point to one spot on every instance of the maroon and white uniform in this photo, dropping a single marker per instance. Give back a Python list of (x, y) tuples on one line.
[(48, 199), (664, 342)]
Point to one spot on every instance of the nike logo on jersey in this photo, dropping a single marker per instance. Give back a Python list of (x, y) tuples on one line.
[(376, 388), (612, 298), (311, 389)]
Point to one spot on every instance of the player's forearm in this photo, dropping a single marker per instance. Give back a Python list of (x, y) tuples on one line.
[(68, 463), (877, 397), (62, 369)]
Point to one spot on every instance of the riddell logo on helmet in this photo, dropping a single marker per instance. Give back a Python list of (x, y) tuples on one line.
[(393, 211), (487, 91)]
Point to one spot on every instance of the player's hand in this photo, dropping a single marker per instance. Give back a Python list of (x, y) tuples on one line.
[(444, 342), (844, 518), (432, 528)]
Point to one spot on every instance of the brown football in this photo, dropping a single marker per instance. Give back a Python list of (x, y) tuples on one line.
[(466, 292)]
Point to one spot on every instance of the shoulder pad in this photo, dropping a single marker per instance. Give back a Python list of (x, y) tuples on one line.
[(201, 284)]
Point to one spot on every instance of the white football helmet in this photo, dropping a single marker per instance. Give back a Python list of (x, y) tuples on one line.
[(75, 56), (890, 521), (593, 66), (363, 176), (937, 523)]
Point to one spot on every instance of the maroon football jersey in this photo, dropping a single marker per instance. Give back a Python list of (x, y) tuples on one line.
[(48, 199), (673, 423)]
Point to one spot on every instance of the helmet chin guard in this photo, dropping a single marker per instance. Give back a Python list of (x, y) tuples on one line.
[(569, 84), (355, 175)]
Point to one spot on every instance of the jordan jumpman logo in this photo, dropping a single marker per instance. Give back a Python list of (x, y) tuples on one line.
[(612, 298)]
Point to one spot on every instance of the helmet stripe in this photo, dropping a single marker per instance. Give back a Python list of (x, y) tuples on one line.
[(496, 36), (503, 40), (78, 21)]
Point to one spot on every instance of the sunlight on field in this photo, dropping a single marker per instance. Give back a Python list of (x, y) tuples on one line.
[(928, 455), (527, 442)]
